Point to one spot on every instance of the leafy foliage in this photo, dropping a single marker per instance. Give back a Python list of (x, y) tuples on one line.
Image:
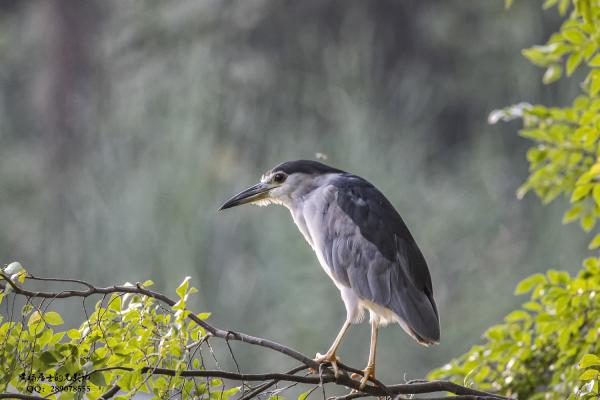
[(564, 159), (549, 348), (133, 343), (535, 353), (124, 333)]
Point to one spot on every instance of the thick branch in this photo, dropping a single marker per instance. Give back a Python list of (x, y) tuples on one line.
[(378, 389), (408, 388)]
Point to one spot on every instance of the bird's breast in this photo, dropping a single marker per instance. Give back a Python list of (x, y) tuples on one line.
[(308, 216)]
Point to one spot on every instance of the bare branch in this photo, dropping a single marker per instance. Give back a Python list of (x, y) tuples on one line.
[(35, 278)]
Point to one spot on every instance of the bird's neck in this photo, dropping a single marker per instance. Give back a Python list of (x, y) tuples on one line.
[(295, 200)]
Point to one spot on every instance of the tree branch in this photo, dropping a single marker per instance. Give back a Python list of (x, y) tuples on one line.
[(256, 391), (270, 379), (20, 396), (110, 393)]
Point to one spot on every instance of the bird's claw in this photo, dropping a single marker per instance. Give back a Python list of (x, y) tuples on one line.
[(328, 358), (368, 373)]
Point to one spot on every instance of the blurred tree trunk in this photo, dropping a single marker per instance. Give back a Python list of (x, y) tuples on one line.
[(71, 81), (72, 27)]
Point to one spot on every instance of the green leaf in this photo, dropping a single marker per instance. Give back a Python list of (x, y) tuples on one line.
[(527, 284), (27, 308), (35, 318), (183, 287), (596, 194), (549, 3), (563, 6), (536, 55), (204, 315), (595, 61), (56, 338), (595, 243), (125, 381), (45, 337), (563, 339), (594, 82), (589, 360), (517, 315), (573, 213), (49, 357), (558, 277), (581, 191), (588, 221), (19, 276), (574, 35), (589, 49), (592, 265), (532, 306), (74, 334), (53, 318), (115, 304), (573, 62), (589, 374), (304, 395), (552, 74), (216, 382)]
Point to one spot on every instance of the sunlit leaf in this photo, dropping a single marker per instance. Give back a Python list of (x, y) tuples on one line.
[(53, 318), (573, 62), (589, 360), (529, 283), (183, 287)]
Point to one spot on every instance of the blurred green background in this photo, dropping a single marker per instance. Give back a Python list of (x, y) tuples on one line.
[(125, 124)]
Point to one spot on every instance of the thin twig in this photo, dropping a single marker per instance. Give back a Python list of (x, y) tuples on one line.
[(37, 278), (259, 389)]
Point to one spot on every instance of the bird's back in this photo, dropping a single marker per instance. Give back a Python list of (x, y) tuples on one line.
[(366, 246)]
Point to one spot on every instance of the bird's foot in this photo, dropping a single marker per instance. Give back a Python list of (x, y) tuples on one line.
[(330, 358), (368, 374)]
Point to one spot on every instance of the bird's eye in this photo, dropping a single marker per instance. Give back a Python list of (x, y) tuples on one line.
[(279, 178)]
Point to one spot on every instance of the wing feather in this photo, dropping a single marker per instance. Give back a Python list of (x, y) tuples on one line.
[(377, 256)]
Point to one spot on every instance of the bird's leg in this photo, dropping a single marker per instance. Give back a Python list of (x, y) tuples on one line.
[(330, 356), (369, 371)]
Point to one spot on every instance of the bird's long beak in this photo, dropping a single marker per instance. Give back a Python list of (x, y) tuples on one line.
[(254, 193)]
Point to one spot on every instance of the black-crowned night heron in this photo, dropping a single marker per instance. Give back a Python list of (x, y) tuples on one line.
[(363, 245)]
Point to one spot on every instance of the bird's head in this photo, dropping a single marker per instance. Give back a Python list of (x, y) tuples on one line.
[(282, 183)]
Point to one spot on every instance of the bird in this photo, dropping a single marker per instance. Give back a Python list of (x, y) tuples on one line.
[(363, 245)]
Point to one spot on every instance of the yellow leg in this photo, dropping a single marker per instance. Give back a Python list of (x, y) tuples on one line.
[(330, 355), (369, 371)]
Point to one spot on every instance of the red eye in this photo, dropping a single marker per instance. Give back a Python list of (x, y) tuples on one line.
[(279, 178)]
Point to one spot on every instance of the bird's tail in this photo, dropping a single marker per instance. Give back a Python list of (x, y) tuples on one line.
[(418, 315)]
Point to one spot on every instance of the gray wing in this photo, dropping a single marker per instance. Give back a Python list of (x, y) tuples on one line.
[(377, 256)]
